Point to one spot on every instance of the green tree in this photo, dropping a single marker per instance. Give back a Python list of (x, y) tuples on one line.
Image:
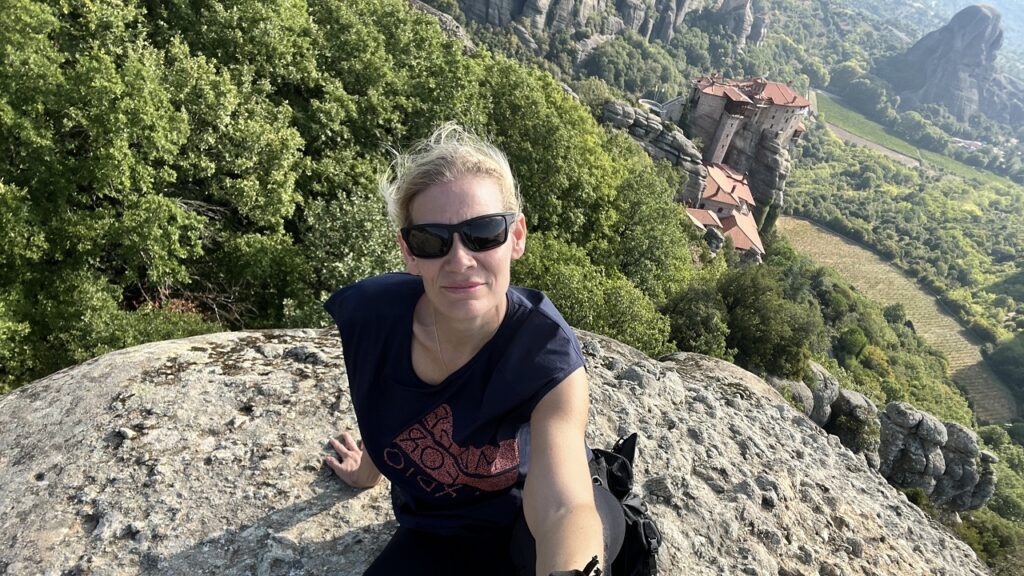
[(698, 321), (589, 297), (770, 334)]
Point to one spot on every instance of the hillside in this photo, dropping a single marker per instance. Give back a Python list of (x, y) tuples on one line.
[(990, 400)]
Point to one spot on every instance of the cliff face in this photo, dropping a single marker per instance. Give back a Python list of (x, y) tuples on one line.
[(202, 456), (655, 20), (955, 66), (661, 142)]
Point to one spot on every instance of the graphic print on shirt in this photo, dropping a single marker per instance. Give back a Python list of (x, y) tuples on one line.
[(445, 465)]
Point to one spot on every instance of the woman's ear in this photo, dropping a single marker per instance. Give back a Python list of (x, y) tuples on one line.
[(410, 260), (518, 232)]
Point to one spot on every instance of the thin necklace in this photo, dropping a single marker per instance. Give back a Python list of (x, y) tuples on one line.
[(437, 340)]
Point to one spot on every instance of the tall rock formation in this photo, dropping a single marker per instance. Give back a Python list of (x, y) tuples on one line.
[(739, 16), (955, 66), (654, 20), (203, 456)]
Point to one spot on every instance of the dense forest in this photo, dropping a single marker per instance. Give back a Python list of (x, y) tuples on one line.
[(167, 174)]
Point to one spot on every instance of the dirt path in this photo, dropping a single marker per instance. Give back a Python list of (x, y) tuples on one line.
[(882, 282), (854, 139)]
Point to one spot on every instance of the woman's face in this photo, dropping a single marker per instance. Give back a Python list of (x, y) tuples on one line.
[(462, 284)]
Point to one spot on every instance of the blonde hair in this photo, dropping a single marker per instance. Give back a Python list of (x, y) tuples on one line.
[(447, 154)]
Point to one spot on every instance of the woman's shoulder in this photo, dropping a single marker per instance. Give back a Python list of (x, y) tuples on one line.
[(535, 306), (374, 294)]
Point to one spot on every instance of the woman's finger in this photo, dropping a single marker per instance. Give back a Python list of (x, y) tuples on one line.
[(333, 464), (350, 443), (340, 448)]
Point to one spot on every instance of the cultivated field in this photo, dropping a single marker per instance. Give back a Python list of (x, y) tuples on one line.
[(858, 124), (880, 281)]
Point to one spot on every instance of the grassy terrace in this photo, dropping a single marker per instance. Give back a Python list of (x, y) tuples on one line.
[(858, 124)]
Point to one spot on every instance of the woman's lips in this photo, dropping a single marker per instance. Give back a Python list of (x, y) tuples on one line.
[(462, 287)]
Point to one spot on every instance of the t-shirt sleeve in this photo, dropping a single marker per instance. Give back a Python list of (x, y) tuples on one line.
[(545, 354), (340, 307)]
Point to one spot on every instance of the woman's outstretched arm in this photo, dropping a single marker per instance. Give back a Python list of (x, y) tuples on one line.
[(558, 499)]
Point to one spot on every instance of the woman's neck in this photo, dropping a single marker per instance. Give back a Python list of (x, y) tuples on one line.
[(455, 341), (469, 333)]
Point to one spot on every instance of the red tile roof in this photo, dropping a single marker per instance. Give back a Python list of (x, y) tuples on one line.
[(743, 230), (704, 218), (780, 94), (727, 186), (755, 89)]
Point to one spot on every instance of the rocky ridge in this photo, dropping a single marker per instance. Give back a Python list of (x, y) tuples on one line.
[(661, 141), (910, 448), (203, 456), (653, 20)]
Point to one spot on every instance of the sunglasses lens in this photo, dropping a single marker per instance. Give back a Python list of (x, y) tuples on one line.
[(428, 242), (485, 233)]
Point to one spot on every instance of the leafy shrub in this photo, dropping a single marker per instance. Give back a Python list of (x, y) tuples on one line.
[(589, 297)]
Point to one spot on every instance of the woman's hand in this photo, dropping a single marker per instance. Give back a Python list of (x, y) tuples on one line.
[(352, 466)]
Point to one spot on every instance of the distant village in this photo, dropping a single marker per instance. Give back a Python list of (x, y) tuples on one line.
[(733, 118)]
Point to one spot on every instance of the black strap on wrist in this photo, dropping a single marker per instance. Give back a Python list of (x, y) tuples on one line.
[(591, 569)]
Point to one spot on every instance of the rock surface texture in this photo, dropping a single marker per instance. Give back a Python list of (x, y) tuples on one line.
[(203, 456), (662, 142), (955, 66)]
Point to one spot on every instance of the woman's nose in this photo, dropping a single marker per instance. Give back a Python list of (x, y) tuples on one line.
[(459, 255)]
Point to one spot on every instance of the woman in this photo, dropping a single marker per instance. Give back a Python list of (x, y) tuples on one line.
[(470, 395)]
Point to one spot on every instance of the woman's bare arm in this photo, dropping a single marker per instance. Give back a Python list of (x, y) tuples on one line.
[(558, 499)]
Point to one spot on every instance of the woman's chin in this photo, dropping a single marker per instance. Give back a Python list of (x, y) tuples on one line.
[(467, 307)]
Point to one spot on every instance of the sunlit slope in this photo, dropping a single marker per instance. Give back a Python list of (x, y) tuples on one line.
[(880, 281)]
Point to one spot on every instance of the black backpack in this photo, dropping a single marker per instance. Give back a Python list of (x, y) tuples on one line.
[(613, 469)]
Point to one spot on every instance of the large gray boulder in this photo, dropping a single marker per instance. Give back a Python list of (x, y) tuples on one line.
[(968, 481), (911, 456), (795, 391), (203, 456), (943, 460)]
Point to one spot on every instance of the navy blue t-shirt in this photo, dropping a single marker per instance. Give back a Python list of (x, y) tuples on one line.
[(455, 452)]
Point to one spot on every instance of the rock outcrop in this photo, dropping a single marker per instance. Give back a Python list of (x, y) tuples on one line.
[(848, 415), (918, 451), (768, 170), (955, 66), (203, 456), (654, 20), (661, 141), (910, 448), (448, 25), (825, 388), (739, 17)]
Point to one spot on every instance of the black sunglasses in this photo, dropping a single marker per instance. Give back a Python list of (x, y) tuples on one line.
[(478, 234)]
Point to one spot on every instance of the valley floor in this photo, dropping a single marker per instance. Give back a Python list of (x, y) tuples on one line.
[(880, 281)]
